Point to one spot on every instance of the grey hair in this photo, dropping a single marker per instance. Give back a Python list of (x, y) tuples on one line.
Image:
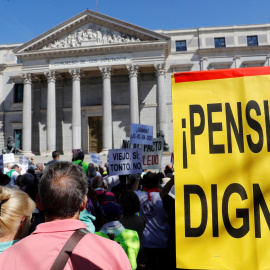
[(62, 190)]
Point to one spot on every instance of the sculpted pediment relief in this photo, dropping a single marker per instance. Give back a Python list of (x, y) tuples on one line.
[(91, 35), (89, 31)]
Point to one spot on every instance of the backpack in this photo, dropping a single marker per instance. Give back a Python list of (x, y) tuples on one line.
[(80, 164)]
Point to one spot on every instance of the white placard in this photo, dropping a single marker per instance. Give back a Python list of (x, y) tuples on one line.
[(141, 134), (125, 161), (9, 158), (24, 168), (151, 154), (23, 160), (95, 158)]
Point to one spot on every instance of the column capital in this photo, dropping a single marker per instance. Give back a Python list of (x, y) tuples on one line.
[(51, 75), (237, 57), (160, 69), (27, 78), (133, 70), (106, 72), (59, 81), (76, 74), (37, 82)]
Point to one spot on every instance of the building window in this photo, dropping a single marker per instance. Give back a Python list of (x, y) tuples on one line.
[(181, 45), (252, 40), (220, 42), (18, 93)]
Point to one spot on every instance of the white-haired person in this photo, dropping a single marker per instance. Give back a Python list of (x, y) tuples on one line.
[(16, 209)]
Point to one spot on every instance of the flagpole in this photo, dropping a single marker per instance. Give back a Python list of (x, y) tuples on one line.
[(97, 5)]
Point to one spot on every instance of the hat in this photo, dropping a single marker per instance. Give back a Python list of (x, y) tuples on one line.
[(112, 211)]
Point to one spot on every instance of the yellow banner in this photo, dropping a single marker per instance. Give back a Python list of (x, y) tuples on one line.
[(222, 168)]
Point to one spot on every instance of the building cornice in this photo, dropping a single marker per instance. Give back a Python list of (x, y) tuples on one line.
[(234, 49), (69, 52)]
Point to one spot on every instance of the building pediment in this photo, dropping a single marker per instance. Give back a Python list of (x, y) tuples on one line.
[(90, 30)]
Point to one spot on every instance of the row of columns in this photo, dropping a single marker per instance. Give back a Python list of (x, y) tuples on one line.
[(76, 106)]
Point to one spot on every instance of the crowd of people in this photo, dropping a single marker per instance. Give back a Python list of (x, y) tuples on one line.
[(75, 215)]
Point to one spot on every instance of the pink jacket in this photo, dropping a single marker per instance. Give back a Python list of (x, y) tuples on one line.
[(40, 249)]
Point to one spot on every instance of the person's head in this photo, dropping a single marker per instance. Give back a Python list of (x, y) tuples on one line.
[(123, 178), (168, 169), (26, 180), (112, 211), (16, 209), (40, 167), (129, 202), (92, 170), (62, 191), (55, 155), (81, 155), (31, 169), (4, 179), (15, 167), (151, 180), (97, 182)]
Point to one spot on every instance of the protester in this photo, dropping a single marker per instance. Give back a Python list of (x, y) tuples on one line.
[(14, 173), (123, 185), (156, 232), (39, 171), (111, 180), (4, 180), (15, 213), (81, 163), (130, 204), (103, 196), (169, 206), (62, 196), (55, 156), (114, 230)]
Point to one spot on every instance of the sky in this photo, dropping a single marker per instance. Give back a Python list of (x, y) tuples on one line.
[(23, 20)]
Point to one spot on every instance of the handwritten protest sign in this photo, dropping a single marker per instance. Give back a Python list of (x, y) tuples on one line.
[(9, 158), (125, 161), (141, 134), (221, 125), (23, 160), (75, 151), (151, 154), (95, 158)]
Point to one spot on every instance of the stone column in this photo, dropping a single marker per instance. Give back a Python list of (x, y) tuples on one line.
[(27, 114), (76, 109), (134, 99), (267, 62), (2, 130), (51, 112), (2, 68), (204, 63), (161, 98), (237, 62), (106, 109)]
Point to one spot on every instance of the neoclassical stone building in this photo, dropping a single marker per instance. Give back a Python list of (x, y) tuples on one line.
[(82, 83)]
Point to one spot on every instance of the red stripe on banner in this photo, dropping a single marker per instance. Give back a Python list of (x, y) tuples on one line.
[(220, 74)]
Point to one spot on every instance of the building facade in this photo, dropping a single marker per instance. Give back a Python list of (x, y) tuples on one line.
[(82, 83)]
